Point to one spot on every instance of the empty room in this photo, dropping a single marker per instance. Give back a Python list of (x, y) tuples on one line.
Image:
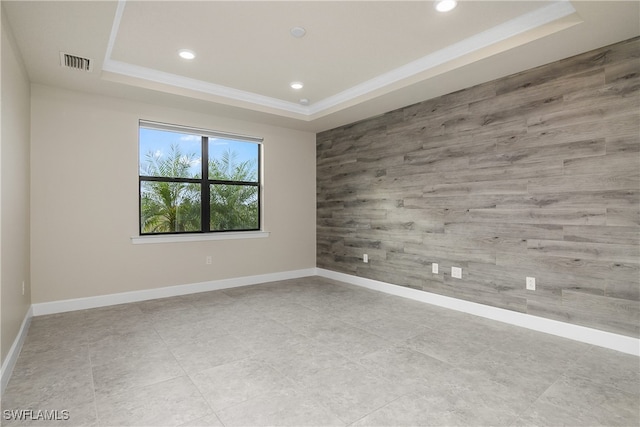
[(320, 213)]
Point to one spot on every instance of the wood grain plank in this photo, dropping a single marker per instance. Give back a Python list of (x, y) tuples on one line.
[(422, 219), (372, 203), (566, 267), (541, 96), (595, 216), (625, 70), (628, 144), (626, 313), (430, 170), (581, 113), (481, 124), (418, 264), (426, 156), (476, 293), (452, 203), (568, 150), (596, 251), (339, 224), (503, 187), (509, 278), (602, 319), (594, 60), (621, 162), (612, 181), (450, 253), (424, 121), (392, 239), (456, 174), (624, 290), (366, 214), (385, 274), (602, 234), (555, 122), (578, 200), (624, 217), (520, 231), (535, 137), (614, 99), (451, 103), (351, 193)]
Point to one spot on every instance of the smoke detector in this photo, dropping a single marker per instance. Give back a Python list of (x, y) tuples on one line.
[(76, 62)]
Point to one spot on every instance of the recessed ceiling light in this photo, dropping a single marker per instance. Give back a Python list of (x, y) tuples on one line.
[(186, 54), (298, 32), (296, 85), (446, 5)]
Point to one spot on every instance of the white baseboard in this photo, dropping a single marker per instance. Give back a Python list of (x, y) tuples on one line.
[(62, 306), (566, 330), (14, 351)]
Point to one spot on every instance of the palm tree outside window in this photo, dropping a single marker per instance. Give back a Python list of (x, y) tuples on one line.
[(174, 180)]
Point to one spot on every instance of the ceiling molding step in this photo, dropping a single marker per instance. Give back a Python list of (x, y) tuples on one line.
[(152, 75), (115, 27), (491, 37)]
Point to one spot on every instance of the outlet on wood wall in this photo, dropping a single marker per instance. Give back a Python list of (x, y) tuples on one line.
[(536, 174)]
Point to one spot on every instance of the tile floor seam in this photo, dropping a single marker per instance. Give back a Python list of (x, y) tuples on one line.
[(537, 399), (451, 365), (382, 406), (609, 386), (204, 399), (613, 386), (233, 405), (302, 387), (141, 386), (93, 386), (166, 345)]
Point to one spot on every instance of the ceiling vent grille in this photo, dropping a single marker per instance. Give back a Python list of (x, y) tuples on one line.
[(76, 62)]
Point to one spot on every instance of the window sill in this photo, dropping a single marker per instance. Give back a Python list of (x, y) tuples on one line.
[(142, 240)]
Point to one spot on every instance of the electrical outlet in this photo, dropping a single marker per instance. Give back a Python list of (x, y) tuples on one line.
[(365, 258), (209, 260), (456, 272), (531, 283), (434, 268)]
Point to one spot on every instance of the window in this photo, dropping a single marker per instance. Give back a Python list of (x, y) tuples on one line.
[(197, 181)]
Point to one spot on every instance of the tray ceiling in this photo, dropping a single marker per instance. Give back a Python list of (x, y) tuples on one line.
[(356, 59)]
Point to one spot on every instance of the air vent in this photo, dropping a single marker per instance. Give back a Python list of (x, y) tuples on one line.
[(76, 62)]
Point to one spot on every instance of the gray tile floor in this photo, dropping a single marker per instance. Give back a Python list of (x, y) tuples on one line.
[(311, 352)]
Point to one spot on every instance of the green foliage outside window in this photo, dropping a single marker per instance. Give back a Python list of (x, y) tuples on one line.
[(172, 189)]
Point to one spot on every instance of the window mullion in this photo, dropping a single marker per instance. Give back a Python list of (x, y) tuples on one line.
[(168, 179), (205, 203), (242, 183)]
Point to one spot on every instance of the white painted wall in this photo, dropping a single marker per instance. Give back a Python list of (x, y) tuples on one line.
[(84, 201), (14, 191)]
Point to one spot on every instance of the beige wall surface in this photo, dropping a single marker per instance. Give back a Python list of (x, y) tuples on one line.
[(536, 174), (14, 191), (84, 201)]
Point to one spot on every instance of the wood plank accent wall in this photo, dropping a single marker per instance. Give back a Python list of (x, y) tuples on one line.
[(536, 174)]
